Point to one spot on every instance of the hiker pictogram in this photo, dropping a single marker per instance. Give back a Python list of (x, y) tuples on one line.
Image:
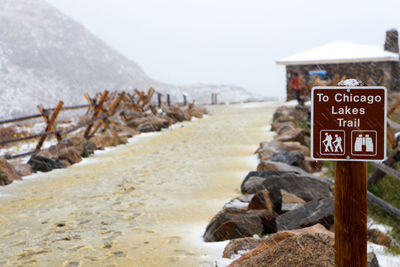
[(332, 142)]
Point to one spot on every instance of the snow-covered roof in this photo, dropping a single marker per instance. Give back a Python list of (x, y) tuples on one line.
[(340, 52)]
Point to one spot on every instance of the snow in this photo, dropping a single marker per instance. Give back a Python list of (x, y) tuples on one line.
[(385, 259), (340, 52), (349, 82), (235, 203), (291, 103)]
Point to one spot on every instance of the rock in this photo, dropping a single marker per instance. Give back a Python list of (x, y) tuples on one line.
[(267, 149), (269, 200), (23, 169), (106, 139), (290, 158), (65, 162), (304, 250), (281, 127), (293, 135), (70, 154), (241, 202), (196, 112), (176, 114), (288, 198), (84, 147), (153, 124), (372, 260), (255, 177), (43, 164), (90, 147), (316, 211), (312, 165), (249, 243), (305, 187), (233, 223), (128, 132), (296, 146), (285, 113), (267, 165), (135, 122), (290, 201), (7, 173), (245, 243), (377, 237), (47, 154)]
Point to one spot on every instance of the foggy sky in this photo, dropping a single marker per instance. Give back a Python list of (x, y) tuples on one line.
[(228, 41)]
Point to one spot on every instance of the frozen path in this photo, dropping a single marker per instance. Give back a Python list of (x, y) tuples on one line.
[(142, 204)]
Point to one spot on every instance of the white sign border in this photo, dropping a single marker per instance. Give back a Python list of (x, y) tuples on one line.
[(346, 88)]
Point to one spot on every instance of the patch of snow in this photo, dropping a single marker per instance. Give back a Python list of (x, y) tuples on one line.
[(349, 82), (385, 259), (235, 203), (340, 52), (291, 103)]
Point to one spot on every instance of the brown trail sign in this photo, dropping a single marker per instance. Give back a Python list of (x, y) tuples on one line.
[(349, 124)]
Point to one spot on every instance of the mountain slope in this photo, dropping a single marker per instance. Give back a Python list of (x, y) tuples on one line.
[(45, 56)]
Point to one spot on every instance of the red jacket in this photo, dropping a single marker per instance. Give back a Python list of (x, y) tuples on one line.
[(295, 83)]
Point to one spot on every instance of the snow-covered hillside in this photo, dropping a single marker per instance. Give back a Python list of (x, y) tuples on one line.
[(45, 56)]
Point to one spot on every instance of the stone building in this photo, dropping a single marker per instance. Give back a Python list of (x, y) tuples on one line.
[(328, 64)]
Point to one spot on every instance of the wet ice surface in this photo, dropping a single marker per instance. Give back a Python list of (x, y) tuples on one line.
[(142, 204)]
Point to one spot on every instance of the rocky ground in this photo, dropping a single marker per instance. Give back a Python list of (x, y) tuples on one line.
[(285, 216)]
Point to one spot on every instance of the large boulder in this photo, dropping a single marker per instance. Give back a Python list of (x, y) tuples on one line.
[(135, 122), (249, 243), (176, 114), (290, 201), (379, 238), (7, 173), (70, 154), (290, 158), (316, 211), (304, 250), (153, 124), (241, 244), (305, 187), (285, 114), (107, 139), (23, 169), (196, 112), (43, 164), (236, 223), (372, 260), (267, 165), (268, 200), (247, 184), (79, 143), (294, 135), (267, 149)]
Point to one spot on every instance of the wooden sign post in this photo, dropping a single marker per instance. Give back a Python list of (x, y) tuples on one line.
[(349, 126)]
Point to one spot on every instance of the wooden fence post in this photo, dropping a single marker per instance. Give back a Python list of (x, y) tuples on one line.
[(97, 111), (159, 96), (351, 213), (50, 123), (168, 100)]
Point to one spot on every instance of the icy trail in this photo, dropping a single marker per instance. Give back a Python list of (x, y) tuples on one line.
[(142, 204)]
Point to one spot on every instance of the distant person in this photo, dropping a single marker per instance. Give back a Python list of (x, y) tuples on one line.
[(296, 86)]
